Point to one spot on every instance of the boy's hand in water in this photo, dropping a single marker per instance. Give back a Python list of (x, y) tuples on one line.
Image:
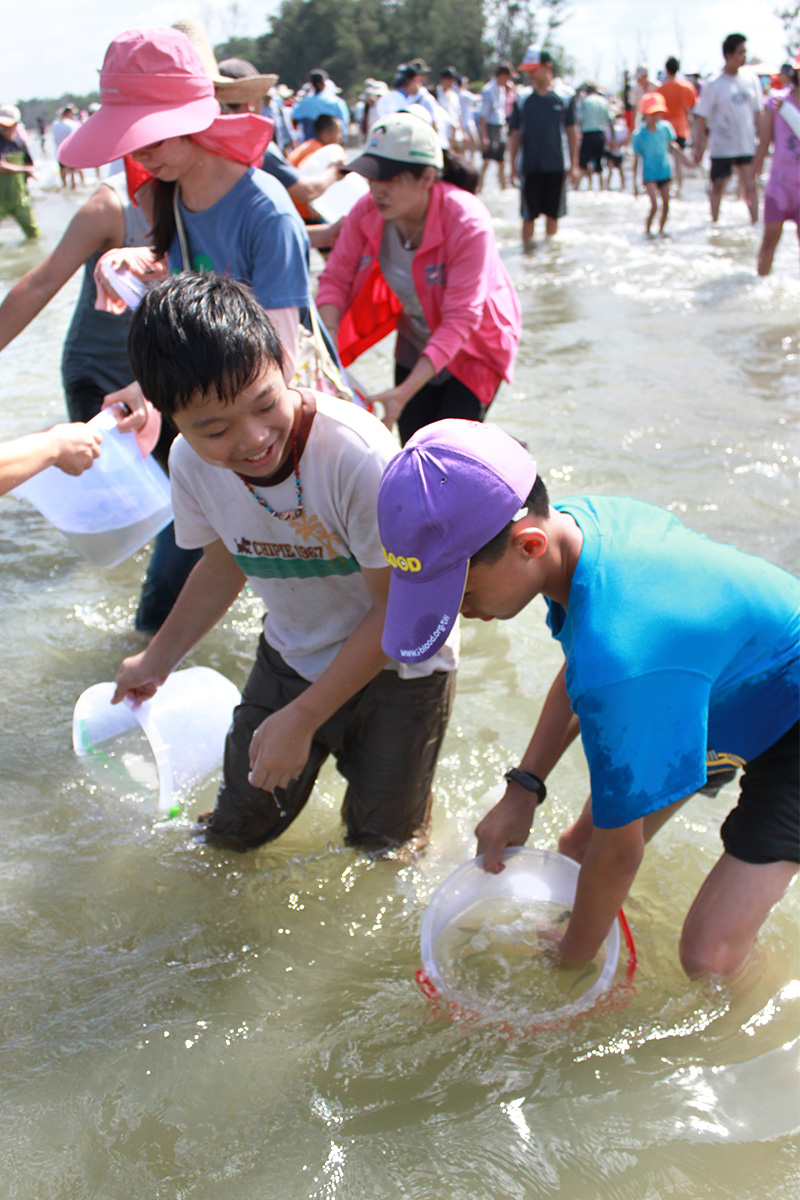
[(507, 824), (280, 748), (77, 446), (137, 679)]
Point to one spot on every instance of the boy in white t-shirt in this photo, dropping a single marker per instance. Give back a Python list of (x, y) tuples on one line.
[(279, 488)]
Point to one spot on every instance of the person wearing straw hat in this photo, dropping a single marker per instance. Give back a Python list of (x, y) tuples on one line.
[(303, 189), (419, 255), (673, 645), (210, 208)]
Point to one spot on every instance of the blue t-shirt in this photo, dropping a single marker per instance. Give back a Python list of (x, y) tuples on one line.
[(275, 164), (653, 148), (254, 235), (675, 644)]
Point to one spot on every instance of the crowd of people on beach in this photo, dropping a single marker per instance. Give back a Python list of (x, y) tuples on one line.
[(367, 523)]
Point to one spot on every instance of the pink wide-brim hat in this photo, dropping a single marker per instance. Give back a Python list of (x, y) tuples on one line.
[(153, 86)]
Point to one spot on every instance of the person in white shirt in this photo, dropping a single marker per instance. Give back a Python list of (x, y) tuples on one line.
[(407, 95), (65, 122), (448, 98), (727, 118), (496, 101)]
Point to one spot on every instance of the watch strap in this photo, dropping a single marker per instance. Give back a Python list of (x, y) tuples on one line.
[(526, 779)]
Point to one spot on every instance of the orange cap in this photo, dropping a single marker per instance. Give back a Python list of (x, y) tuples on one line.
[(653, 102)]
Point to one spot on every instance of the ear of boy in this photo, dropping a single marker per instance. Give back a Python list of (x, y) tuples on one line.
[(529, 539)]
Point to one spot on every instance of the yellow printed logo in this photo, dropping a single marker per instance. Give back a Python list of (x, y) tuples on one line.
[(402, 564)]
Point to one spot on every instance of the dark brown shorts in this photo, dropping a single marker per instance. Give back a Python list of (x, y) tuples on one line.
[(386, 741)]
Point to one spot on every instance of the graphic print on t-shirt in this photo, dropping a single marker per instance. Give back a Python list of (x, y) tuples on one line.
[(293, 560)]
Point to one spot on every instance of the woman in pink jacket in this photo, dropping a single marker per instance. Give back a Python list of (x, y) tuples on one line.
[(418, 255)]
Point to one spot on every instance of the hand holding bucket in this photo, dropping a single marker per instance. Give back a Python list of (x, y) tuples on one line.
[(112, 510)]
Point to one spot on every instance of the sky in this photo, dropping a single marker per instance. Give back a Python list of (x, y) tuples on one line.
[(58, 47)]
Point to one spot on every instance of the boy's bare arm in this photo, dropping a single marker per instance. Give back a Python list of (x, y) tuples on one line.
[(509, 822), (213, 585), (281, 745), (608, 869)]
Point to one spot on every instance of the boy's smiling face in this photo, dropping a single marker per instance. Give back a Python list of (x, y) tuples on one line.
[(251, 433)]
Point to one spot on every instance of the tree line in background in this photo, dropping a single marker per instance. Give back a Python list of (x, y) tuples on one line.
[(789, 17), (358, 39)]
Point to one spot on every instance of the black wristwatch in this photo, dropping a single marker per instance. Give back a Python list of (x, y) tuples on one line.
[(531, 783)]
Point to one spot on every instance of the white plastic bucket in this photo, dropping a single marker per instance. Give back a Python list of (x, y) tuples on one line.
[(337, 200), (112, 509), (531, 876), (185, 724)]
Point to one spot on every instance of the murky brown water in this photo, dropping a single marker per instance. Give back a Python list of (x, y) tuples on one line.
[(183, 1023)]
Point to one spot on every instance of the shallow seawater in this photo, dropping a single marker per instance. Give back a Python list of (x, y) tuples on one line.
[(180, 1022), (496, 958)]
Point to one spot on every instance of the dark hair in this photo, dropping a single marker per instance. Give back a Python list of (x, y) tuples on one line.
[(456, 170), (197, 333), (163, 223), (325, 123), (672, 66), (317, 78), (537, 504), (732, 43)]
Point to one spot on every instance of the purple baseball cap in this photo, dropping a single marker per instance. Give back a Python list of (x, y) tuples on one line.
[(450, 490)]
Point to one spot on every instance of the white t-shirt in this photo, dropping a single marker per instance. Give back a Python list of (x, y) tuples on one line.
[(62, 128), (307, 570), (729, 104)]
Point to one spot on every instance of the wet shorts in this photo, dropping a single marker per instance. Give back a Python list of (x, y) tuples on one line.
[(722, 168), (765, 825), (497, 146), (544, 192), (591, 153), (782, 203), (386, 742)]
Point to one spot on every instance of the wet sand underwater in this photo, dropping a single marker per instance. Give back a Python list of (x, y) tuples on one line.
[(182, 1022)]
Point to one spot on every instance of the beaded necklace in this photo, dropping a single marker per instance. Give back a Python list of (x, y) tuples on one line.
[(290, 514)]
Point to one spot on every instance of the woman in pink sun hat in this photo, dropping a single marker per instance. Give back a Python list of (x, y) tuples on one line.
[(209, 208)]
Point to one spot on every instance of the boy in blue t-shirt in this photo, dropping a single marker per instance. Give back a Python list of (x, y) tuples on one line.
[(675, 647), (652, 142)]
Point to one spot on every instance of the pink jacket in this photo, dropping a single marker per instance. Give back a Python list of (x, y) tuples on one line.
[(469, 302)]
